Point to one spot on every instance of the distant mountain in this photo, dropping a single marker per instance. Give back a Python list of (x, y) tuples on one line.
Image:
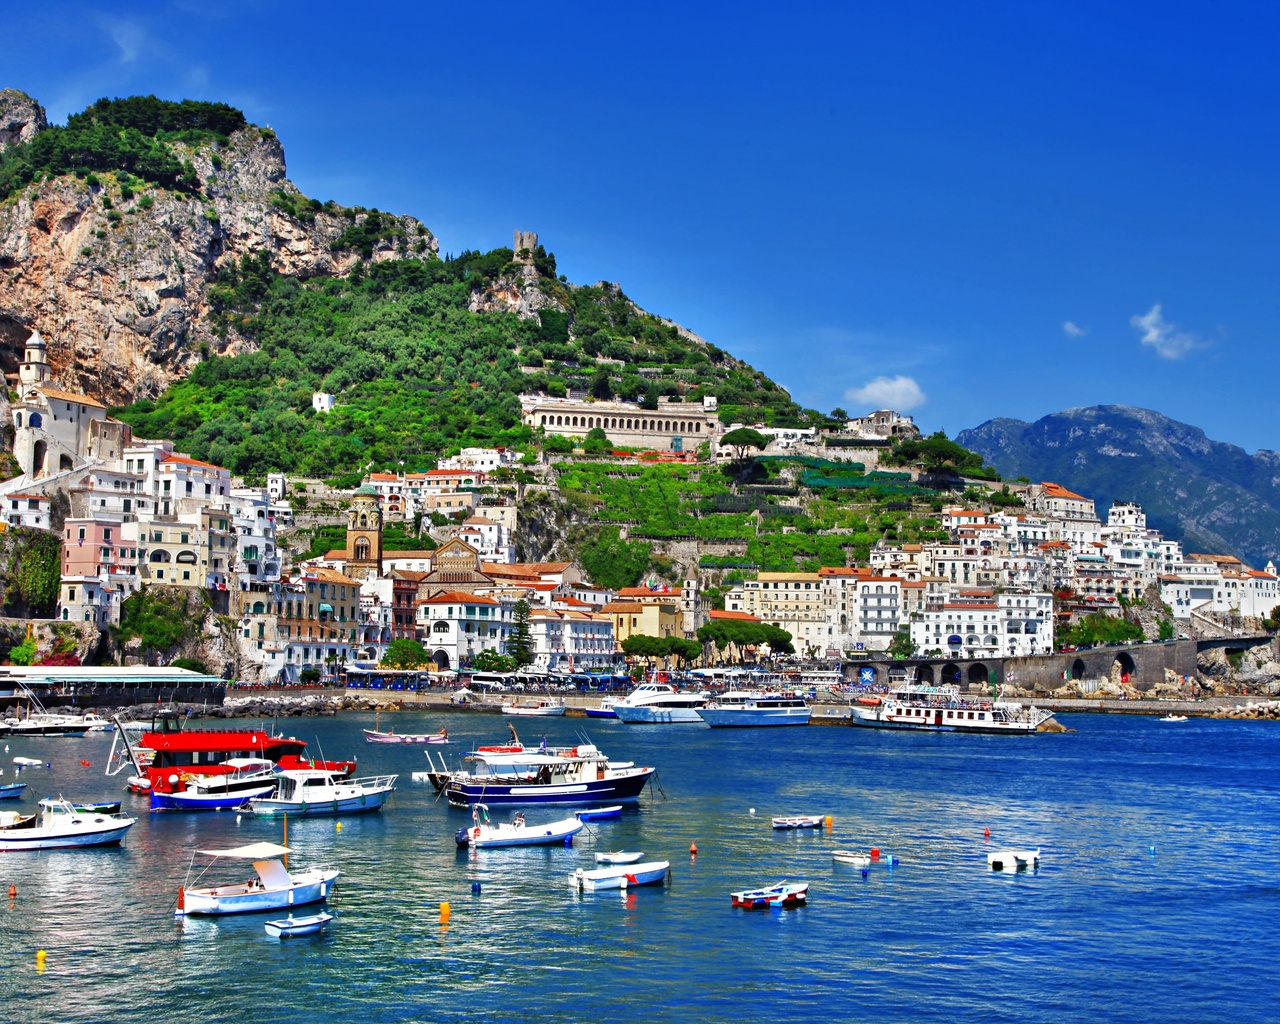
[(1212, 496)]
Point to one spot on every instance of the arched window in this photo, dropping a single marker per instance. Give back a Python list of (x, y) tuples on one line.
[(362, 549), (364, 521), (34, 420)]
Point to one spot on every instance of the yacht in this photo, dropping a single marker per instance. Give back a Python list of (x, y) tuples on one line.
[(659, 704), (943, 709), (748, 708)]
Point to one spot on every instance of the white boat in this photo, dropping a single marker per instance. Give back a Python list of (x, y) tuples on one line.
[(622, 876), (273, 886), (537, 707), (291, 927), (800, 821), (744, 708), (1174, 718), (1013, 860), (249, 777), (659, 704), (784, 894), (485, 834), (28, 762), (604, 709), (858, 860), (618, 857), (579, 775), (60, 827), (310, 793), (943, 709)]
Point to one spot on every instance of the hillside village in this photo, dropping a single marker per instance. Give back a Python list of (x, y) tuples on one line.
[(1013, 576)]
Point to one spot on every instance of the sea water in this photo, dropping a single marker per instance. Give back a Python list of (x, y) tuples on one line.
[(1156, 897)]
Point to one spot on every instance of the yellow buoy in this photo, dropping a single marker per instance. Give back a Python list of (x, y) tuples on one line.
[(339, 824), (829, 820), (39, 959), (444, 913)]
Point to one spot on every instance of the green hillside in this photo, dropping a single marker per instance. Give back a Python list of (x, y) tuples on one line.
[(416, 374)]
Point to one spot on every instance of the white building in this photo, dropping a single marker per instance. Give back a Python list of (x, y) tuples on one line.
[(322, 402), (986, 626), (455, 626), (30, 510), (571, 641), (482, 460)]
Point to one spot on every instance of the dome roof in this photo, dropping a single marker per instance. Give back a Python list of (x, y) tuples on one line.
[(366, 491)]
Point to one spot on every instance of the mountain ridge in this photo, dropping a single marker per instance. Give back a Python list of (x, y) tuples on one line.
[(1222, 499)]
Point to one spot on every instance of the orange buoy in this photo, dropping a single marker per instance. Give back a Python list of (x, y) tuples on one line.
[(182, 899), (693, 849), (86, 764), (986, 833), (13, 891), (445, 911), (875, 853)]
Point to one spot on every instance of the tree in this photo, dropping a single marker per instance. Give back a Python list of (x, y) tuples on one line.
[(520, 642), (557, 444), (600, 386), (742, 439), (404, 653), (839, 414), (596, 442), (684, 650), (491, 661), (650, 399), (902, 646)]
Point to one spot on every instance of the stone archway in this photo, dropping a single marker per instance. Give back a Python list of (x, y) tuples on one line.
[(1077, 669), (924, 675), (1123, 669), (978, 674), (951, 674), (441, 659)]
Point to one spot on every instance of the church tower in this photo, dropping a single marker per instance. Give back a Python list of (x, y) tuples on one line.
[(34, 369), (364, 535)]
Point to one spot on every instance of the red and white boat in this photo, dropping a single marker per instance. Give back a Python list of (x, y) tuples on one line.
[(177, 753)]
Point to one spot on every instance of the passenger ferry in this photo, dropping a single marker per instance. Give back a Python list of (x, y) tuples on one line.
[(943, 709), (580, 775), (659, 704), (746, 708)]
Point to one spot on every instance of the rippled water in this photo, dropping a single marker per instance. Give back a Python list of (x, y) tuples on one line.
[(1107, 929)]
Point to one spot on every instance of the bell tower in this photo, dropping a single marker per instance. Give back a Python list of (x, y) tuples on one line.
[(34, 369), (364, 535)]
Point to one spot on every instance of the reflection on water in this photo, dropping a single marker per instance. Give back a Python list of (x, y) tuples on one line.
[(1156, 884)]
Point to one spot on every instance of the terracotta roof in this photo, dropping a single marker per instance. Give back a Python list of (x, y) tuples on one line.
[(388, 477), (68, 396), (331, 576), (458, 597), (336, 555), (481, 520), (29, 497), (735, 616), (572, 602), (842, 570), (187, 460), (646, 592), (502, 569), (548, 566), (1058, 491), (621, 608), (411, 575)]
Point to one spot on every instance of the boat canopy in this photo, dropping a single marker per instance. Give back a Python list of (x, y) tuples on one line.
[(254, 851)]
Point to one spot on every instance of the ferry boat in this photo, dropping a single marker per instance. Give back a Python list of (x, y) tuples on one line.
[(659, 704), (578, 775), (943, 709), (177, 753), (744, 708)]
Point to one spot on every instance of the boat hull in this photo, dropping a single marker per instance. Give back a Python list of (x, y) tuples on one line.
[(269, 807), (186, 801), (500, 836), (12, 790), (66, 835), (599, 713), (311, 886), (293, 927), (727, 718), (628, 875), (619, 790), (877, 718), (657, 716)]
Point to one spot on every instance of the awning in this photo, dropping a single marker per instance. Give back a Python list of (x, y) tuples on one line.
[(326, 608), (953, 639), (254, 851)]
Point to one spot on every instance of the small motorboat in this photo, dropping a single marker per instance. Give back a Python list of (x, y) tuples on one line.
[(487, 835), (800, 821), (247, 778), (1013, 860), (272, 887), (599, 813), (291, 927), (61, 806), (28, 762), (312, 793), (60, 829), (374, 736), (784, 894), (539, 707), (1174, 718), (858, 860), (604, 709), (623, 876), (618, 857), (13, 790)]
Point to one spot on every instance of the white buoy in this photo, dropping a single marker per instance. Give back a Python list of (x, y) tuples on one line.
[(752, 811), (237, 819)]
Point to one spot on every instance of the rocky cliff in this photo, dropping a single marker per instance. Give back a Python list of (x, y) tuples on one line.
[(115, 273), (1212, 496)]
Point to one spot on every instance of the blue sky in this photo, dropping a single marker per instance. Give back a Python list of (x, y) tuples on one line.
[(971, 210)]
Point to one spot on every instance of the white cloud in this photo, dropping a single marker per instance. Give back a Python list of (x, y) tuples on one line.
[(900, 393), (1168, 341), (1072, 330)]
